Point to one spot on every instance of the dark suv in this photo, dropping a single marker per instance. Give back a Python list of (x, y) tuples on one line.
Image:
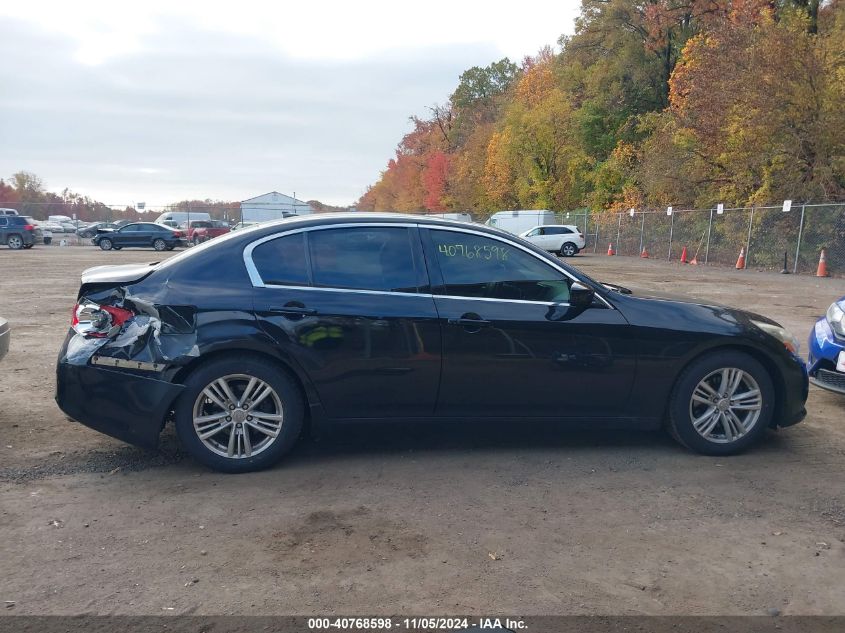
[(19, 231)]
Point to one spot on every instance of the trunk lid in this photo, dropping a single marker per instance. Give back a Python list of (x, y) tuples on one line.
[(120, 274)]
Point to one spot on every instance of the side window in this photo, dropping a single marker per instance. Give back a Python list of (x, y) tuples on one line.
[(282, 261), (482, 267), (363, 258), (533, 233), (3, 221)]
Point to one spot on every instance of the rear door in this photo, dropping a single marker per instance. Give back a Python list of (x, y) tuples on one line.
[(351, 306), (512, 345), (4, 226)]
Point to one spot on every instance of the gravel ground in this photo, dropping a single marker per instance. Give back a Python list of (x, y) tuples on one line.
[(416, 519)]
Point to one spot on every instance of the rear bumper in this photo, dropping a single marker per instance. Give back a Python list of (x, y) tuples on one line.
[(824, 350), (129, 407)]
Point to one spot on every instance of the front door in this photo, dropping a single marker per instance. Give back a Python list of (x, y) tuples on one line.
[(512, 344), (344, 303)]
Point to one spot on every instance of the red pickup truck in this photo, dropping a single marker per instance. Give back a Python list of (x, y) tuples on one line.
[(203, 230)]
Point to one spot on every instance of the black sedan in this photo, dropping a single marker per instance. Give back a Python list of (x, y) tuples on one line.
[(338, 318), (139, 234)]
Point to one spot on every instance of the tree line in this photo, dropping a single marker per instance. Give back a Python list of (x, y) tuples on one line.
[(649, 103)]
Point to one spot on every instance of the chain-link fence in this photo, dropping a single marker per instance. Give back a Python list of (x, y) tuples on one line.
[(768, 237)]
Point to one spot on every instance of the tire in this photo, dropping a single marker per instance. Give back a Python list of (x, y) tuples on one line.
[(195, 240), (286, 400), (15, 242), (105, 244), (724, 437), (568, 250), (159, 244)]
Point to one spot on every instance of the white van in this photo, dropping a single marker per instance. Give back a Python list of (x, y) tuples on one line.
[(522, 220), (58, 219), (174, 218)]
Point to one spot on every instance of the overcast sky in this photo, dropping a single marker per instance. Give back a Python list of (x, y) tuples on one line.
[(161, 101)]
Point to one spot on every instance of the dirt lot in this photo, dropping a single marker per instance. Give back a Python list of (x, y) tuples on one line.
[(425, 519)]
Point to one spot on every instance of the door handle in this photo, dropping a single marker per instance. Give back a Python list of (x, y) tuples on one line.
[(294, 310), (470, 321)]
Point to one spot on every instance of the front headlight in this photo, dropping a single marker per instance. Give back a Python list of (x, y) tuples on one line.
[(836, 318), (780, 333)]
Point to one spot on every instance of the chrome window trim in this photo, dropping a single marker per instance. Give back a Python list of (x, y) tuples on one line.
[(257, 282), (361, 291)]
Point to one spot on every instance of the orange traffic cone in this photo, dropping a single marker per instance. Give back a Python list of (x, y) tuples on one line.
[(821, 271), (740, 261), (693, 261), (644, 254), (684, 255), (610, 250)]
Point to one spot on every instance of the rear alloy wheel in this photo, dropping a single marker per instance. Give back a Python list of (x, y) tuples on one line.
[(159, 244), (568, 250), (239, 415), (722, 404), (105, 244), (15, 242)]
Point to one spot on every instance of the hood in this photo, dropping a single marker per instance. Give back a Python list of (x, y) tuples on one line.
[(651, 295), (122, 273)]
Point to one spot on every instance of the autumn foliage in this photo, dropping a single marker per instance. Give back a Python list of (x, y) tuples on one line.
[(682, 102)]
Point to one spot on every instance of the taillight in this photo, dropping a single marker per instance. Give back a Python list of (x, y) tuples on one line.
[(96, 321), (177, 233), (28, 227)]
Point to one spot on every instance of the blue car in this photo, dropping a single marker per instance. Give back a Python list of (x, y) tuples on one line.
[(827, 349)]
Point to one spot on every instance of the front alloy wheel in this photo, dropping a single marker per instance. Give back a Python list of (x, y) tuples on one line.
[(721, 403), (725, 405), (105, 244)]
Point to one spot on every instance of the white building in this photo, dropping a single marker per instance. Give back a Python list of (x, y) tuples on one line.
[(273, 206)]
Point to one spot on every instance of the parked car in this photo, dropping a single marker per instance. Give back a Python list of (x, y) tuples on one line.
[(139, 234), (826, 358), (91, 229), (68, 227), (385, 317), (198, 231), (5, 335), (8, 212), (564, 240), (53, 227), (46, 234), (19, 231)]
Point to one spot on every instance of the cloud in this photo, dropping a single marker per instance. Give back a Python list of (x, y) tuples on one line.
[(188, 111)]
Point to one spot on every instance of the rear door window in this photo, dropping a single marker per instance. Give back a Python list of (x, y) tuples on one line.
[(281, 261), (363, 258)]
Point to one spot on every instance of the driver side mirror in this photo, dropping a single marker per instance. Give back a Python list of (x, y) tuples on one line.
[(581, 296)]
